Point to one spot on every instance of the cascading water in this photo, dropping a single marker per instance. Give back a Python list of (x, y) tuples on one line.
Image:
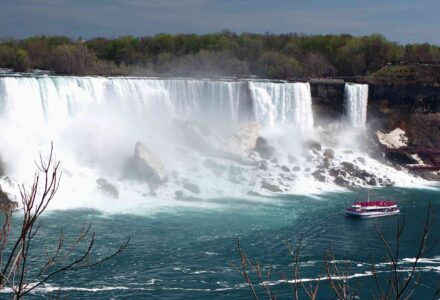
[(283, 103), (356, 101), (191, 126)]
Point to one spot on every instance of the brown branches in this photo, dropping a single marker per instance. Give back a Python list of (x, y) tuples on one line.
[(397, 283), (311, 291), (244, 262), (398, 287), (338, 279), (14, 266), (246, 268)]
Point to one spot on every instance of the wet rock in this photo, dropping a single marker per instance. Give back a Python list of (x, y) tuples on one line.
[(254, 155), (291, 159), (402, 158), (326, 163), (341, 181), (312, 145), (263, 166), (334, 172), (361, 160), (296, 169), (372, 181), (285, 169), (318, 175), (6, 204), (271, 187), (430, 176), (191, 187), (349, 167), (245, 139), (385, 181), (274, 160), (107, 188), (216, 168), (286, 177), (329, 153), (145, 165), (178, 194), (252, 193), (262, 147)]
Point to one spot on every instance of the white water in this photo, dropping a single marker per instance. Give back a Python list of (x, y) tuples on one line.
[(356, 102), (285, 103), (95, 123)]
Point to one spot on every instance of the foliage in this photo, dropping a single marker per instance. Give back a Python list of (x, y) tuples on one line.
[(246, 54)]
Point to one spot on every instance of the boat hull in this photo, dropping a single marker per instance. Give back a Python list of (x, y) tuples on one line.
[(368, 215)]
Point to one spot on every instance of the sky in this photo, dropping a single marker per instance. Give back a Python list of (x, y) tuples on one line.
[(402, 21)]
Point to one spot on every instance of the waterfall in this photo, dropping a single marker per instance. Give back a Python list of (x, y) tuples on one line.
[(356, 101), (283, 103), (61, 97), (95, 122), (50, 102)]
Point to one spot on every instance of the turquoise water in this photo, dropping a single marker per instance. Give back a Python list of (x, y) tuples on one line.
[(191, 253)]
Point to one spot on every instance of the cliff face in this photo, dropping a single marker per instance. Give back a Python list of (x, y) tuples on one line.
[(414, 108), (328, 100)]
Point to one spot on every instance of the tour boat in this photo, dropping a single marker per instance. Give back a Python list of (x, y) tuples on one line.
[(372, 209)]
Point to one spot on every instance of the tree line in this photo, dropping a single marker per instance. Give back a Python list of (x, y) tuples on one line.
[(283, 56)]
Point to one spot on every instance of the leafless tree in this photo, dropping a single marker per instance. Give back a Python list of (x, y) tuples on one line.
[(397, 283), (296, 283), (15, 255), (337, 276), (401, 284)]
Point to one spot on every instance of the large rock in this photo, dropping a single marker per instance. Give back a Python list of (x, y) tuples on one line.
[(271, 187), (395, 139), (193, 188), (263, 148), (6, 204), (245, 139), (401, 158), (107, 188), (147, 166), (341, 181), (329, 153), (310, 145), (319, 175)]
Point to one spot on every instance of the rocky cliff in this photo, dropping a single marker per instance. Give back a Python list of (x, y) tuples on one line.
[(413, 108)]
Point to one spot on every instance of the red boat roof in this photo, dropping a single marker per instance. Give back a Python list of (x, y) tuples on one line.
[(375, 203)]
